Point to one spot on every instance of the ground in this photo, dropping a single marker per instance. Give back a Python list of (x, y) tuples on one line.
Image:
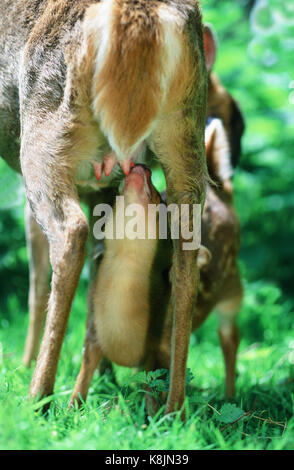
[(114, 418)]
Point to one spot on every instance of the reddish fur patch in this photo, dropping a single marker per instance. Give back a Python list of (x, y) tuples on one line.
[(128, 86)]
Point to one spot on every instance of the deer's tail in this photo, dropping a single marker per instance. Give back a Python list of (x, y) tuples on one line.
[(138, 49)]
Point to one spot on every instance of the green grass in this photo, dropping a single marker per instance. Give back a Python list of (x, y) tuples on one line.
[(114, 418)]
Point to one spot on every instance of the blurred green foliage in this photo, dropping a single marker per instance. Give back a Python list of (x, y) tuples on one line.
[(256, 41), (13, 254)]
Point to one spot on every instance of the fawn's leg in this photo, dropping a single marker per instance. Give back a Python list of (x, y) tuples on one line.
[(92, 354), (106, 367), (38, 249), (227, 311)]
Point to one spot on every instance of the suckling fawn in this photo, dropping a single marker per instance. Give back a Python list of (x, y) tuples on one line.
[(130, 323)]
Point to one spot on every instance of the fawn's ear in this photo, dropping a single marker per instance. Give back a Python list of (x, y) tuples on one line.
[(210, 46)]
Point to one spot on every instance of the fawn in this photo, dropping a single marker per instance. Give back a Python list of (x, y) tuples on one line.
[(131, 324)]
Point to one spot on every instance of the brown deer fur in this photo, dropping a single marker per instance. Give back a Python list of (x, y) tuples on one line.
[(218, 148)]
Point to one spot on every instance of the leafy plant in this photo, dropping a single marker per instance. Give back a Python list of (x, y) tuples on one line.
[(229, 413)]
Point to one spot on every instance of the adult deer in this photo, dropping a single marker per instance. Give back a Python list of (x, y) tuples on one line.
[(86, 84)]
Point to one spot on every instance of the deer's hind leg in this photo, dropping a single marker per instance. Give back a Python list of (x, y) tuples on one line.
[(48, 169), (178, 142)]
